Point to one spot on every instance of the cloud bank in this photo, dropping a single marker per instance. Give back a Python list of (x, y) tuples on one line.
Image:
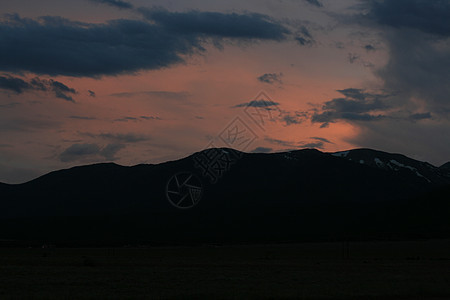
[(58, 46)]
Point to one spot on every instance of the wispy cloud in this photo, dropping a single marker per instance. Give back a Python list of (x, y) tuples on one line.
[(83, 118), (115, 3), (271, 78), (322, 140), (257, 103), (82, 152), (19, 86), (262, 150), (315, 3), (118, 137), (159, 94)]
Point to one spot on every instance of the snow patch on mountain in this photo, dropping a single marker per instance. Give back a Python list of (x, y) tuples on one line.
[(402, 165), (396, 166), (409, 167), (289, 156), (341, 154), (379, 162)]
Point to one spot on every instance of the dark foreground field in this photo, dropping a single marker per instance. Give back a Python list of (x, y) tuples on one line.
[(366, 270)]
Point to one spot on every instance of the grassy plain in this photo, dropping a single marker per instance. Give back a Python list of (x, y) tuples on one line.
[(366, 270)]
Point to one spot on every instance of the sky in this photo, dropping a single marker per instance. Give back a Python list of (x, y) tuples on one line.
[(143, 81)]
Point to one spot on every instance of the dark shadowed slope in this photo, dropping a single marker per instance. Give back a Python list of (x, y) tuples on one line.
[(297, 195), (445, 168)]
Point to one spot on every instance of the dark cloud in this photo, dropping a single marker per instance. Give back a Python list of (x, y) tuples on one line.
[(61, 90), (421, 72), (137, 119), (287, 117), (115, 3), (322, 139), (369, 47), (160, 94), (90, 151), (257, 103), (79, 151), (304, 37), (261, 150), (56, 85), (353, 93), (356, 101), (118, 137), (82, 118), (19, 85), (13, 84), (150, 118), (126, 119), (296, 145), (215, 24), (290, 120), (424, 15), (357, 105), (271, 78), (75, 49), (293, 118), (416, 33), (330, 117), (315, 3), (57, 46), (302, 41), (361, 117), (351, 105), (420, 116), (280, 142), (318, 145)]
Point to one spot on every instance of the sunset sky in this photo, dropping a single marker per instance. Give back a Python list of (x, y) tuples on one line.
[(144, 81)]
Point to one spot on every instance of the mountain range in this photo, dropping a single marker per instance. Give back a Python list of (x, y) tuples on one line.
[(221, 195)]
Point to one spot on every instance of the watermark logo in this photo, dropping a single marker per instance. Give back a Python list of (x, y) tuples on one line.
[(184, 190), (214, 162), (238, 135)]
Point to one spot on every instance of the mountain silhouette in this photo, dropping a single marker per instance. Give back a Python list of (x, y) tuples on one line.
[(226, 196)]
